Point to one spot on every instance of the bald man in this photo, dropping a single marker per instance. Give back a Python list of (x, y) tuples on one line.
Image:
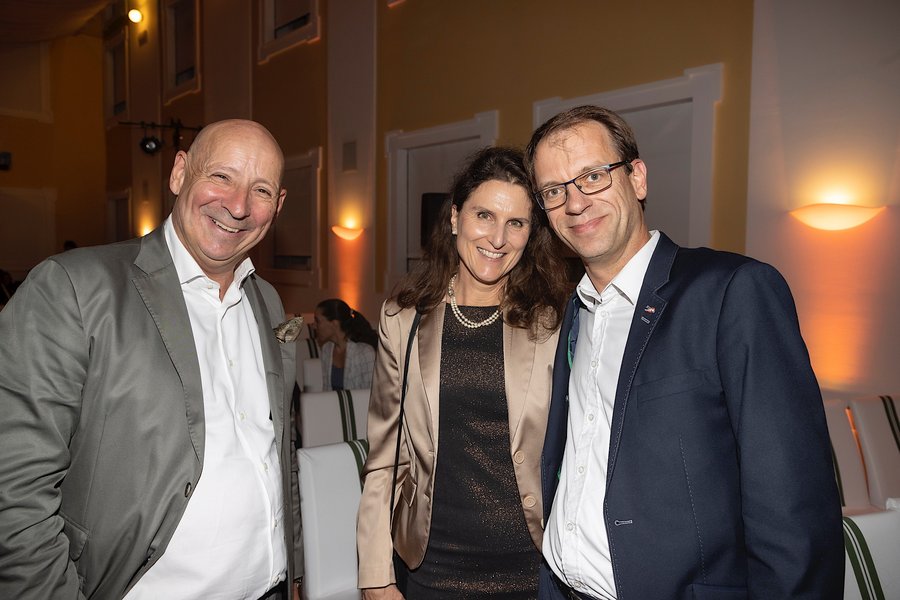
[(145, 402)]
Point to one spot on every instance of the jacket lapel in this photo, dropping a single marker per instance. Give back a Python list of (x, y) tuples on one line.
[(647, 312), (429, 336), (158, 285), (271, 355), (518, 360)]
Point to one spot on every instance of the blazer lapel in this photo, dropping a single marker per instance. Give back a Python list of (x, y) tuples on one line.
[(647, 312), (158, 285), (271, 355), (429, 336), (518, 360)]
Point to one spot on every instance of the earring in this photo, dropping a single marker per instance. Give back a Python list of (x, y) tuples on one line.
[(453, 232)]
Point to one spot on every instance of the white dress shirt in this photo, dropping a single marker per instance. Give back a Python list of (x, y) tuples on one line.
[(576, 544), (229, 544)]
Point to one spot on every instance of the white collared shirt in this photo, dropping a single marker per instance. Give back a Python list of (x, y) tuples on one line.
[(229, 543), (576, 544)]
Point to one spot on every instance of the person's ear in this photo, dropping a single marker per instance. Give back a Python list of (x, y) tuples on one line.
[(281, 196), (454, 218), (179, 169), (638, 178)]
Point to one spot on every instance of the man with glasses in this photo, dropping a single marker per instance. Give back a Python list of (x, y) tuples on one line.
[(686, 454)]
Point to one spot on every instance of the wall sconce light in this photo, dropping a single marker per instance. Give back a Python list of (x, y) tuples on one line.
[(135, 16), (347, 233), (835, 217)]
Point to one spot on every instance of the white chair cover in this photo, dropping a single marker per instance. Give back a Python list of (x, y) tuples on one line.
[(848, 465), (872, 547), (879, 437), (336, 416), (330, 489)]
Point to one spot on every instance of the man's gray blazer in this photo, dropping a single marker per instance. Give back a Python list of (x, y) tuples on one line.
[(101, 419)]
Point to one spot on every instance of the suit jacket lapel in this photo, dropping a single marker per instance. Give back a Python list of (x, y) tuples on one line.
[(518, 360), (430, 332), (271, 355), (157, 283), (647, 312)]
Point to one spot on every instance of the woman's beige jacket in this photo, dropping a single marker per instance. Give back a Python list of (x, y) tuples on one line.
[(527, 370)]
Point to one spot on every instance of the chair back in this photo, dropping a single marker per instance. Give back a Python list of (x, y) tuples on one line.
[(330, 490), (336, 416), (306, 349), (848, 464), (312, 375), (872, 549), (876, 423)]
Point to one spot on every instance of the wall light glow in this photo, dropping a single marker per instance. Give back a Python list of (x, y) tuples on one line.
[(135, 16), (347, 233), (832, 216)]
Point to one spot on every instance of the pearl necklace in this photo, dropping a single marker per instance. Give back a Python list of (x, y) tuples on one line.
[(466, 322)]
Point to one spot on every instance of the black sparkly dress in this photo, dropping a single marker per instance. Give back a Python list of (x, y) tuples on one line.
[(479, 546)]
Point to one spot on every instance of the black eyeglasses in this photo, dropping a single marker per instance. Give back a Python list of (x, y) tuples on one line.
[(589, 183)]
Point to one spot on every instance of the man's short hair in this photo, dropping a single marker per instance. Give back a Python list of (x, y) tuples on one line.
[(620, 132)]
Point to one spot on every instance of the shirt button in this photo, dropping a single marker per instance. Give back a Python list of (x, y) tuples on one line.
[(570, 526), (266, 467), (519, 457), (529, 501), (243, 416), (230, 363), (591, 417), (593, 364), (581, 469)]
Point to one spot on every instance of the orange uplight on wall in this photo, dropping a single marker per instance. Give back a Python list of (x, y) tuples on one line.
[(835, 217), (836, 212), (347, 233), (135, 15)]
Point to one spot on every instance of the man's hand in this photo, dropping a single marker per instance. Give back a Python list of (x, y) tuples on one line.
[(389, 592), (296, 587)]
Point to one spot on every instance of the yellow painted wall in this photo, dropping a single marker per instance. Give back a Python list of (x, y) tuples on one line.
[(79, 143), (67, 154), (440, 62)]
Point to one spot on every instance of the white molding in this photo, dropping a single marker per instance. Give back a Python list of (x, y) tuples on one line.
[(702, 87), (483, 127), (313, 278), (171, 90), (269, 45), (44, 112)]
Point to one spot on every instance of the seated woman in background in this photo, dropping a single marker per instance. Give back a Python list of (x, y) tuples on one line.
[(348, 346)]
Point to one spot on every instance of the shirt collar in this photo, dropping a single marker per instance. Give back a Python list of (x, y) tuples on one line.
[(188, 269), (627, 282)]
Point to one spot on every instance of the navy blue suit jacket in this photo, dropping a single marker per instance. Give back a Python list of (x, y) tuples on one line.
[(720, 481)]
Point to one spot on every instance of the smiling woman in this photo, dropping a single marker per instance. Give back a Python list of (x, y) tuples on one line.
[(491, 255)]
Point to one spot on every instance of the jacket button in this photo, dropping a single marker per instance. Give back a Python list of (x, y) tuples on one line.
[(529, 501), (187, 490), (519, 457)]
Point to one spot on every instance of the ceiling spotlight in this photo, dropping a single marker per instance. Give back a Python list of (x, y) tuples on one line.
[(150, 144)]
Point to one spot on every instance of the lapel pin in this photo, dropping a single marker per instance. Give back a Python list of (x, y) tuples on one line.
[(649, 309)]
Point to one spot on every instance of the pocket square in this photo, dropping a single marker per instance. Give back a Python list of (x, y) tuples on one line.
[(288, 331)]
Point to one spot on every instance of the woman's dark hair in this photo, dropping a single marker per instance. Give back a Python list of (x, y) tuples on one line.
[(352, 322), (536, 287)]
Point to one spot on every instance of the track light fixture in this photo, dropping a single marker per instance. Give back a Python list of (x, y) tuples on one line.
[(151, 144)]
